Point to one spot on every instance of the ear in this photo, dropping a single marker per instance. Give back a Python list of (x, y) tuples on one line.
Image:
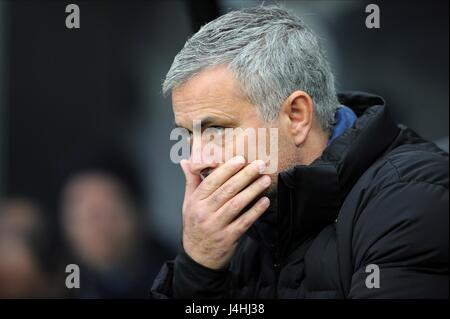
[(297, 113)]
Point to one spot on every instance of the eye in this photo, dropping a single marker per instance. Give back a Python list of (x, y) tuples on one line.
[(218, 128), (219, 131)]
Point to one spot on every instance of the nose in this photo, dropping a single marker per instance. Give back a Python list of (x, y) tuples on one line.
[(201, 164), (201, 167)]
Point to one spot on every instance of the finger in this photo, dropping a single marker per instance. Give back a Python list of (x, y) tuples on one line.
[(192, 180), (228, 212), (246, 220), (235, 184), (219, 176)]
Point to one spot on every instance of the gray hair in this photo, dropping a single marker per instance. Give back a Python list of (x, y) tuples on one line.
[(271, 52)]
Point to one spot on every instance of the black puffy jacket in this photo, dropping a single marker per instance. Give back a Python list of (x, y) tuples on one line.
[(378, 195)]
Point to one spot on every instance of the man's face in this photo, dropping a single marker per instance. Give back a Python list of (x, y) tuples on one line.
[(213, 96), (98, 218)]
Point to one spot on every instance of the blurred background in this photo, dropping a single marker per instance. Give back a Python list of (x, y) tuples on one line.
[(85, 173)]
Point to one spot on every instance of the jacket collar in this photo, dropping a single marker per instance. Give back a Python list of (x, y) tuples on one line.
[(310, 197)]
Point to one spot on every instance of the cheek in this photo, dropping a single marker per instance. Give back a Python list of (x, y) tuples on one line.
[(285, 153), (288, 155), (268, 148)]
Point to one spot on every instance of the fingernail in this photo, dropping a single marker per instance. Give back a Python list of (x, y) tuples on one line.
[(265, 201), (261, 166), (266, 180), (238, 160)]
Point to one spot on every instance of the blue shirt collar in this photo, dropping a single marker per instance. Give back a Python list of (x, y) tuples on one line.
[(344, 119)]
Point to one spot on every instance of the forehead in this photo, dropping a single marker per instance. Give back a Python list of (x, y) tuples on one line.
[(211, 93), (89, 183)]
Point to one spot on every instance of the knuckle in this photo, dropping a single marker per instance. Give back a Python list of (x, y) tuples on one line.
[(228, 235), (257, 210), (201, 217), (195, 217), (230, 240), (189, 207), (209, 184), (219, 238), (240, 229), (234, 204), (215, 198), (227, 243), (228, 189), (246, 223)]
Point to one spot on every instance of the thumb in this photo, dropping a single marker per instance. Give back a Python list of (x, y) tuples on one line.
[(192, 180)]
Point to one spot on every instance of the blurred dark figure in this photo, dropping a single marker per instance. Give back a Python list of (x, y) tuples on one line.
[(104, 226), (24, 251)]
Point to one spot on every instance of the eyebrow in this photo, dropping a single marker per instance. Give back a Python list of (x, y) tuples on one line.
[(206, 121)]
